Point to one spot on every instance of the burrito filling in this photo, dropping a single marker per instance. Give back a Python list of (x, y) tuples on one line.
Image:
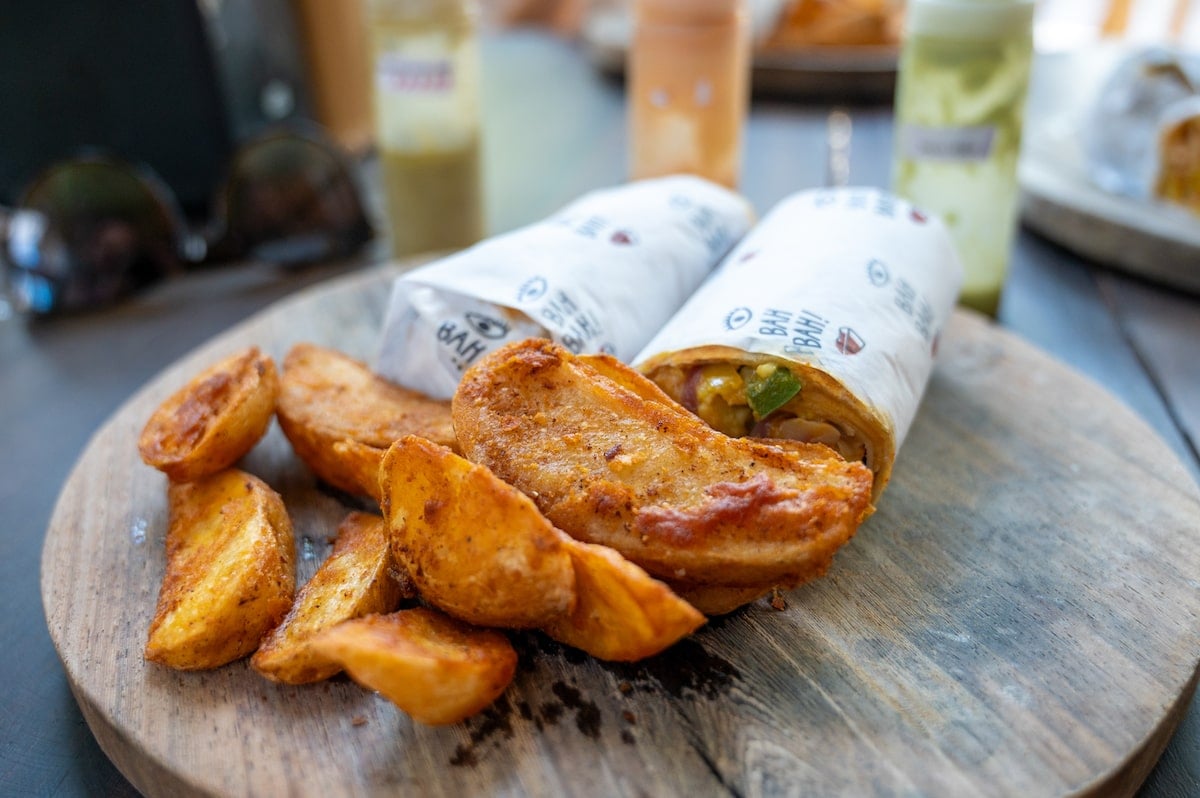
[(758, 401)]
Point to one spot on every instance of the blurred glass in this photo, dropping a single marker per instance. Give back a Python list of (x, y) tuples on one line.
[(336, 52), (960, 98), (94, 229), (426, 72), (689, 84)]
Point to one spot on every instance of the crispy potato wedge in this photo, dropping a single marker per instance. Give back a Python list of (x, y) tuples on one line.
[(608, 366), (359, 463), (357, 579), (621, 612), (617, 466), (230, 574), (437, 669), (210, 423), (327, 398), (475, 547), (719, 599)]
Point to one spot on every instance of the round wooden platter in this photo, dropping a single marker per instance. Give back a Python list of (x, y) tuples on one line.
[(1019, 617)]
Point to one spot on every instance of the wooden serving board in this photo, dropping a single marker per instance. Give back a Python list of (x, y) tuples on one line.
[(1020, 617)]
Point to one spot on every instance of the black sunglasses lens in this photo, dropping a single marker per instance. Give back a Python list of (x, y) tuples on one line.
[(86, 233), (291, 199)]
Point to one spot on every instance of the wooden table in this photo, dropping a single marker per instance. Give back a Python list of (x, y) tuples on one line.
[(554, 131)]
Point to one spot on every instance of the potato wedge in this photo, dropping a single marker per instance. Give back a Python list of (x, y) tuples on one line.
[(230, 574), (327, 397), (437, 669), (621, 612), (210, 423), (617, 466), (359, 464), (475, 547), (719, 599), (356, 580)]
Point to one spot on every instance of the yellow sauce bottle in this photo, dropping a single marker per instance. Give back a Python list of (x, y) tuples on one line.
[(689, 84), (426, 73), (960, 99)]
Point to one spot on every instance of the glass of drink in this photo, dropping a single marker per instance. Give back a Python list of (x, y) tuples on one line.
[(960, 98), (427, 74), (689, 76)]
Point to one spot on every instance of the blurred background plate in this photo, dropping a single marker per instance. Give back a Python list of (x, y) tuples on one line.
[(845, 74), (1154, 240)]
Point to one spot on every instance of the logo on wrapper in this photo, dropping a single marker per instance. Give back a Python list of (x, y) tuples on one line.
[(532, 289), (738, 318), (877, 272), (487, 326), (461, 349), (849, 342)]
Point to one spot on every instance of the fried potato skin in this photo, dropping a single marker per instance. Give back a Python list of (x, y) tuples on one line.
[(620, 468), (719, 599), (210, 423), (437, 669), (230, 575), (327, 398), (621, 613), (474, 546), (356, 580), (358, 464)]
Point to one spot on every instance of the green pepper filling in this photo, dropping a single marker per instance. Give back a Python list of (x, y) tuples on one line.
[(767, 393)]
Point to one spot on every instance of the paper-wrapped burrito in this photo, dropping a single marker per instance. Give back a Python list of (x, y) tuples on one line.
[(821, 325), (602, 275)]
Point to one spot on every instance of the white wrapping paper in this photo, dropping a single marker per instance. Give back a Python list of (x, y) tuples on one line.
[(855, 282), (602, 275)]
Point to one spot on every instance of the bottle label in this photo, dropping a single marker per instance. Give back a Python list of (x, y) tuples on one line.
[(401, 74), (923, 143)]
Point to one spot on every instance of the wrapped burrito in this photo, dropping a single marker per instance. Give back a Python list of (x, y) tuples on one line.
[(601, 275), (821, 325)]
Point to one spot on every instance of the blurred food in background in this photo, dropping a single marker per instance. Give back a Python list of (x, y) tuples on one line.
[(1142, 135), (776, 24), (818, 50), (807, 23), (689, 85), (1177, 179)]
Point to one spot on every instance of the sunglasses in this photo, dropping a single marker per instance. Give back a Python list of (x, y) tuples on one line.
[(92, 230)]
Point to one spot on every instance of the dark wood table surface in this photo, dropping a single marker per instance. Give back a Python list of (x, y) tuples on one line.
[(554, 129)]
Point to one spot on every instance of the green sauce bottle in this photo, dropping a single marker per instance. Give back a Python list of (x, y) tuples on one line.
[(427, 73), (960, 99)]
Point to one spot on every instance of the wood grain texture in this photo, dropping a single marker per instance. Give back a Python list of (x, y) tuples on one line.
[(1021, 616)]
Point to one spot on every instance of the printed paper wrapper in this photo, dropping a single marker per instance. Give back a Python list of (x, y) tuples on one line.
[(849, 289), (602, 275)]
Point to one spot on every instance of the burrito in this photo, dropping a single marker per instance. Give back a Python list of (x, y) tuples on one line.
[(600, 276), (820, 326)]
